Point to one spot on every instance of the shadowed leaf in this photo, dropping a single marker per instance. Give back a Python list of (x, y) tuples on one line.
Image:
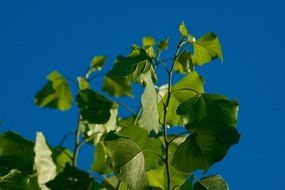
[(117, 86), (214, 182), (15, 180)]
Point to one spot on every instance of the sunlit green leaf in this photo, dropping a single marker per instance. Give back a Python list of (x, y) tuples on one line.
[(149, 119), (16, 153), (183, 63), (163, 45), (43, 164), (157, 177), (128, 160), (97, 62), (206, 49), (73, 179), (213, 133), (94, 108), (214, 182), (132, 66), (148, 43), (182, 92), (113, 182), (55, 94), (82, 83), (148, 144), (15, 180), (183, 30), (61, 156), (100, 163), (117, 86)]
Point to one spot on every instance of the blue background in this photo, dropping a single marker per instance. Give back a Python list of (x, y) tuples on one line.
[(37, 37)]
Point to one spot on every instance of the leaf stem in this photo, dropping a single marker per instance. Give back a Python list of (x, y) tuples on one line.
[(76, 143), (179, 135), (127, 108), (164, 125)]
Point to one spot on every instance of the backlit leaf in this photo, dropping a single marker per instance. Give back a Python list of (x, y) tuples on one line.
[(183, 63), (191, 81), (183, 30), (82, 83), (132, 66), (61, 156), (43, 164), (148, 144), (213, 133), (214, 182), (128, 161), (149, 119), (163, 45), (100, 163), (206, 49), (148, 43), (15, 180), (55, 94), (117, 86), (97, 62), (94, 108)]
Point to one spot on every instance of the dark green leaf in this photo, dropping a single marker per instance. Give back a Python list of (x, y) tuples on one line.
[(16, 153), (128, 160), (117, 86), (72, 179), (188, 184), (55, 94), (214, 182), (181, 93), (132, 66), (15, 180), (206, 49), (149, 119), (43, 164), (211, 106), (94, 108), (183, 63), (213, 133)]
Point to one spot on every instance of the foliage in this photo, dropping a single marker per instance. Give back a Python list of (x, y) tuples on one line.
[(137, 151)]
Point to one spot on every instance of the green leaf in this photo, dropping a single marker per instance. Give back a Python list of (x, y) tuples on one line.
[(94, 108), (150, 117), (214, 182), (43, 164), (188, 184), (191, 81), (100, 163), (55, 94), (95, 132), (146, 143), (82, 83), (61, 156), (206, 49), (16, 153), (128, 161), (183, 64), (162, 45), (97, 62), (148, 43), (213, 132), (211, 106), (117, 86), (132, 66), (73, 179), (157, 177), (182, 29), (15, 180), (113, 183)]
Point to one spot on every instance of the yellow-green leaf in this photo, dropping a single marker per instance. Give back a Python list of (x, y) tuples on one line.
[(82, 83), (183, 63), (183, 29), (55, 94), (97, 62), (117, 86), (206, 49)]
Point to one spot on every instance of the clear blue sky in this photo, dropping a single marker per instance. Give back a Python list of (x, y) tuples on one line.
[(39, 36)]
